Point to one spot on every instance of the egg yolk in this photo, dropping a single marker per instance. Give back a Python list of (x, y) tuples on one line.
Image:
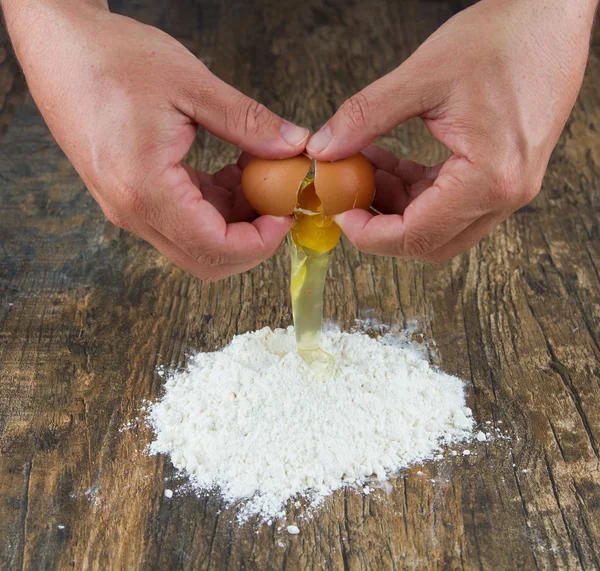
[(312, 229)]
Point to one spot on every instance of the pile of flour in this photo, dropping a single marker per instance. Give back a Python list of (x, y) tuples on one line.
[(254, 422)]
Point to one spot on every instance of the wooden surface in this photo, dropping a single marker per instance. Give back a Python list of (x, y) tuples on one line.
[(88, 312)]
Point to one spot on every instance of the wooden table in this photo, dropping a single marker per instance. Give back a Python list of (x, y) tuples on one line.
[(88, 312)]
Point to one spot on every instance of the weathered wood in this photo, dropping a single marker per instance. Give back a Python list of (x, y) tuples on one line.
[(88, 312)]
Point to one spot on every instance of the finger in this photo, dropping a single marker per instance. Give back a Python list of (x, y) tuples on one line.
[(244, 159), (456, 199), (231, 204), (409, 171), (140, 228), (466, 239), (178, 210), (461, 243), (397, 181), (228, 177), (373, 234), (380, 158), (186, 262), (223, 190), (391, 194), (236, 118), (395, 198), (419, 187), (430, 221), (198, 178), (401, 94)]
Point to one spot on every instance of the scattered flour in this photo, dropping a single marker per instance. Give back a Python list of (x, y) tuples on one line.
[(253, 421)]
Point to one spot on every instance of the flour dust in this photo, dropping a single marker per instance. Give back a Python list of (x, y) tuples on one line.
[(253, 422)]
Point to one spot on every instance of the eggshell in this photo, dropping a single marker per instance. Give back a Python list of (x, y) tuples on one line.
[(345, 184), (271, 186)]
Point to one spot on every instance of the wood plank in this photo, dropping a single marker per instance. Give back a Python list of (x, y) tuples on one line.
[(88, 312)]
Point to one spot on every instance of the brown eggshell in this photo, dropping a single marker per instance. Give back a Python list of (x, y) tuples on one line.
[(345, 184), (271, 186)]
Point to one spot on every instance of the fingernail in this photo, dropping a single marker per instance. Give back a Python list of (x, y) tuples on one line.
[(280, 219), (339, 218), (319, 141), (292, 134)]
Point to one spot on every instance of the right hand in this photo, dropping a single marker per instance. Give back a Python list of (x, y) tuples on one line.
[(124, 101), (495, 85)]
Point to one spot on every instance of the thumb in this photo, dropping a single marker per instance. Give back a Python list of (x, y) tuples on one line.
[(238, 119), (377, 109)]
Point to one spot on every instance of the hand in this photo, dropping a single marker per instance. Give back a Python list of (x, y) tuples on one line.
[(124, 101), (495, 84)]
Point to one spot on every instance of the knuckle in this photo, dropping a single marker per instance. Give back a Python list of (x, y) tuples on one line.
[(357, 111), (416, 245), (530, 192), (361, 243), (209, 257), (212, 278), (507, 186), (251, 117), (197, 87), (116, 219), (436, 258), (498, 195), (270, 252), (132, 203)]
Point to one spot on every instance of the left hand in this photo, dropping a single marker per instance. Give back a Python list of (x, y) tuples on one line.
[(495, 84), (124, 101)]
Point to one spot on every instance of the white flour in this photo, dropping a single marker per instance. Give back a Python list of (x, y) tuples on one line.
[(253, 421)]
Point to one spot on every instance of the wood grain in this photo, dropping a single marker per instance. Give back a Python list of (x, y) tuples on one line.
[(88, 312)]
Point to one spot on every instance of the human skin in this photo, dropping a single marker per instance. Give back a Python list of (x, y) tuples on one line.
[(495, 84), (124, 101)]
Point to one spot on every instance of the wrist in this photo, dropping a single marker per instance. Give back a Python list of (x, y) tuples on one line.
[(20, 15), (582, 10), (11, 6), (29, 22)]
